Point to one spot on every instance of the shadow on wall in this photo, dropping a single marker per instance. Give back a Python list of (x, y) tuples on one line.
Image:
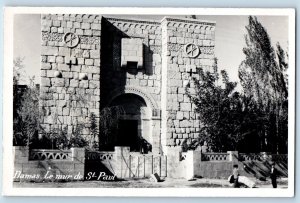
[(112, 74)]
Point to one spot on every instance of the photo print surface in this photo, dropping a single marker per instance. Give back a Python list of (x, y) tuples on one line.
[(152, 102)]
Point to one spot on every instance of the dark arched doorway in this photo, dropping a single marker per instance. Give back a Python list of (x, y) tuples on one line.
[(134, 126)]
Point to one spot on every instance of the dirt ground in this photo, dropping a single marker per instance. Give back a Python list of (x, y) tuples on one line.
[(146, 183)]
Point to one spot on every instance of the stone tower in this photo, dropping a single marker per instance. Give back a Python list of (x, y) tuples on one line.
[(90, 61)]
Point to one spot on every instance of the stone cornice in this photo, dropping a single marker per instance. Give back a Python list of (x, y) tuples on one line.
[(132, 20), (189, 20)]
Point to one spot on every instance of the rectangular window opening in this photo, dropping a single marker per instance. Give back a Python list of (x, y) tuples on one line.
[(132, 64)]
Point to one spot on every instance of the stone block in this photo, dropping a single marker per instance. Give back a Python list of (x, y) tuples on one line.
[(45, 82), (64, 51), (96, 26), (69, 24), (59, 59), (175, 83), (143, 82), (87, 32), (91, 69), (180, 40), (49, 51), (94, 84), (67, 74), (46, 23), (58, 82), (179, 115), (184, 123), (80, 61), (74, 83), (95, 54), (84, 84), (46, 66), (96, 77), (97, 91), (63, 67), (53, 29), (89, 62), (76, 25), (75, 69), (79, 31), (85, 26), (185, 106)]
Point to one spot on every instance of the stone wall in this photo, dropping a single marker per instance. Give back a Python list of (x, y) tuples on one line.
[(71, 168), (172, 49), (187, 45), (192, 164), (114, 76), (70, 71), (143, 80)]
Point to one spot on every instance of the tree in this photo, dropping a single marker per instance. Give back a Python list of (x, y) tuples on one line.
[(27, 119), (263, 80), (109, 118), (219, 108)]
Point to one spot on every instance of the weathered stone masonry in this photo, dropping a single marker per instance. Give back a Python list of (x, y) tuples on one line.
[(144, 64), (70, 76), (180, 38)]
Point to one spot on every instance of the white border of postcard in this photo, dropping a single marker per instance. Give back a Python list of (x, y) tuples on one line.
[(8, 188)]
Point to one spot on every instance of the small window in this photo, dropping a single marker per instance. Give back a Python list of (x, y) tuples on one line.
[(132, 64)]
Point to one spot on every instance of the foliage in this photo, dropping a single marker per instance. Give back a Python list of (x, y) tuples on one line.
[(219, 108), (62, 136), (109, 118), (94, 140), (263, 78), (26, 120), (76, 139)]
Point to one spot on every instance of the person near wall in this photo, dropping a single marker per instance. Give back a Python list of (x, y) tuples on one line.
[(274, 175), (235, 174)]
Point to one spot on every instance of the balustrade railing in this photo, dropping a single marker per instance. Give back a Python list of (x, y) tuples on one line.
[(50, 154), (208, 156), (99, 155), (250, 157)]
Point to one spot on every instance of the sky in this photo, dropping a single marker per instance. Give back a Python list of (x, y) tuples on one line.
[(229, 40)]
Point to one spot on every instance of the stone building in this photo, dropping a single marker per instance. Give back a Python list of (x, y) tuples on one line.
[(89, 62)]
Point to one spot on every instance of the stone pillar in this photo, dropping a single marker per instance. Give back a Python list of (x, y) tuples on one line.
[(174, 168), (156, 136), (21, 156), (193, 162), (78, 158), (233, 156), (78, 154), (122, 162), (189, 161)]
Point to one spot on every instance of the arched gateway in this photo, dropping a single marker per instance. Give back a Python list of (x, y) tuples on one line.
[(135, 127)]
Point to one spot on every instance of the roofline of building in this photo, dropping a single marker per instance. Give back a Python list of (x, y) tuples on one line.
[(189, 20), (166, 18)]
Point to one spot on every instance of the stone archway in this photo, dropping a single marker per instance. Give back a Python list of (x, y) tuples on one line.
[(134, 125), (141, 110), (133, 90)]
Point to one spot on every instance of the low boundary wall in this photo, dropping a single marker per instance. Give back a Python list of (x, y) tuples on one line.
[(78, 164), (48, 165), (192, 164)]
